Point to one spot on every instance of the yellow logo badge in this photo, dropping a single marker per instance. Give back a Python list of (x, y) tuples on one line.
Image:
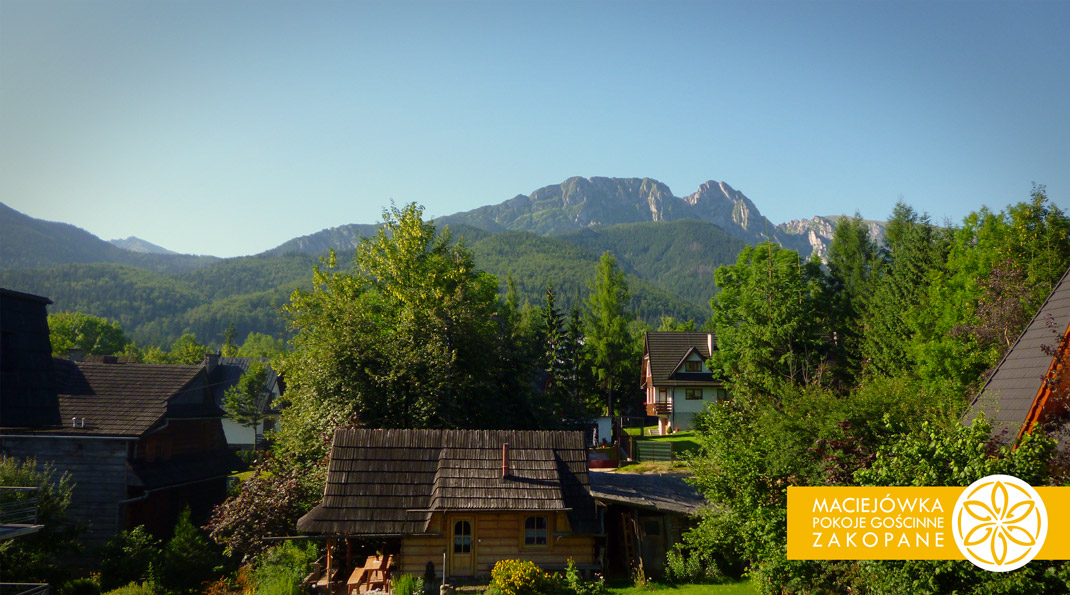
[(999, 523)]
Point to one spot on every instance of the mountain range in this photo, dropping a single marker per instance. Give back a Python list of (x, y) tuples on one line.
[(669, 247)]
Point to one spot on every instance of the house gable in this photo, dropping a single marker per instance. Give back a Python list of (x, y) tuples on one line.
[(1017, 395), (666, 353)]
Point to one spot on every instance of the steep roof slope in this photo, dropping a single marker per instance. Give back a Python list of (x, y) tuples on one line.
[(1012, 396), (667, 350), (389, 482)]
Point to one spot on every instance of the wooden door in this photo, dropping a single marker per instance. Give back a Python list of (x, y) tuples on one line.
[(462, 551)]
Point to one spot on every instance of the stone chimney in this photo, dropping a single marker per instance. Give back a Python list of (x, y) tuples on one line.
[(211, 360)]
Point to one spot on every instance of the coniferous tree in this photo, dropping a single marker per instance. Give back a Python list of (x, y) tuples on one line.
[(852, 263), (914, 250), (608, 339), (770, 320)]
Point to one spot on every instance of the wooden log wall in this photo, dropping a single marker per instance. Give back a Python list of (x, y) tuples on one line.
[(499, 536)]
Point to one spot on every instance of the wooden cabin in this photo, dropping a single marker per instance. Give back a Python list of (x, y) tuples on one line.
[(1030, 386), (463, 498)]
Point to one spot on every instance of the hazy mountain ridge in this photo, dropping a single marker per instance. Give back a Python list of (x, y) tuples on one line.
[(28, 243), (341, 238), (135, 244)]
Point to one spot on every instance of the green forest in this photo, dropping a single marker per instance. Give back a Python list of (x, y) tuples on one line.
[(854, 371), (669, 267)]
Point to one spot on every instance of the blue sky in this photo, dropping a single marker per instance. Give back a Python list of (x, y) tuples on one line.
[(227, 128)]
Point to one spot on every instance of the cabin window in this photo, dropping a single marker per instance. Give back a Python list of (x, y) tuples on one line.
[(535, 530), (663, 395), (721, 394), (462, 537), (693, 367), (652, 528), (693, 394)]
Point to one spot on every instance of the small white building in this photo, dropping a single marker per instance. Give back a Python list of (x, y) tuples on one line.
[(675, 378)]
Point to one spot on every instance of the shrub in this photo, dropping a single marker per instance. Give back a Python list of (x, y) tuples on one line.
[(189, 560), (128, 557), (267, 504), (136, 589), (39, 557), (408, 584), (80, 586), (577, 586), (521, 577), (280, 569)]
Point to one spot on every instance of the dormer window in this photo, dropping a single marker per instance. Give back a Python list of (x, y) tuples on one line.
[(692, 366)]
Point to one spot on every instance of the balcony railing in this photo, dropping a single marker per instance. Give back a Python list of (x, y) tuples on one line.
[(18, 506), (664, 408), (23, 589), (18, 512)]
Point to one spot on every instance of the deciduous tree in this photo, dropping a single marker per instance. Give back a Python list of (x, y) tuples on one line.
[(408, 339), (97, 336)]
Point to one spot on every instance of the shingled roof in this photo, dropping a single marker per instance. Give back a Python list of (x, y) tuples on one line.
[(667, 350), (1014, 393), (124, 399), (656, 492), (390, 482)]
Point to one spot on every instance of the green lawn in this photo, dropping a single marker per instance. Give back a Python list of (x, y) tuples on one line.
[(682, 442), (742, 588)]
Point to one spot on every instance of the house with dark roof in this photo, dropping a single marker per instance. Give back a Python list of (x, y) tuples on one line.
[(463, 498), (141, 442), (225, 372), (1029, 385), (675, 378)]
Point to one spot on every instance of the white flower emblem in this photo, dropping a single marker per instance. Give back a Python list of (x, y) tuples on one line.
[(1000, 523)]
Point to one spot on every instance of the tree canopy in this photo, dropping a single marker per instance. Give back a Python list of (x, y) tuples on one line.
[(95, 335), (407, 339)]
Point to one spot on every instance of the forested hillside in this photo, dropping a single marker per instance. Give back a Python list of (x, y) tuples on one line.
[(535, 261), (676, 255), (156, 307), (27, 243)]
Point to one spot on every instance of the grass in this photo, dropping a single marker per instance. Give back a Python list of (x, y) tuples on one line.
[(741, 588), (682, 442)]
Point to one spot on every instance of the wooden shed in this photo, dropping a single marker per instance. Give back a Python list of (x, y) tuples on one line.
[(466, 498), (645, 516)]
